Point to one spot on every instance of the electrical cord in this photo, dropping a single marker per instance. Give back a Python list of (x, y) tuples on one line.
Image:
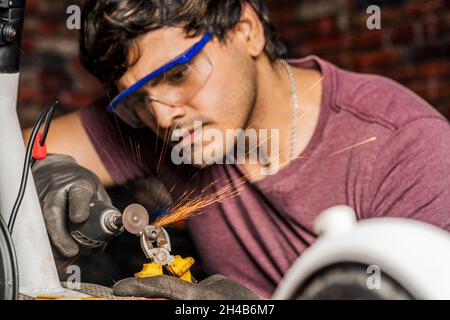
[(46, 114), (9, 269), (48, 121)]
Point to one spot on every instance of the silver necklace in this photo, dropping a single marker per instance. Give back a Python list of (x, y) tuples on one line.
[(294, 94)]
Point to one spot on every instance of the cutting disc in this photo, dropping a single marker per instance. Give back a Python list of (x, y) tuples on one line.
[(135, 218)]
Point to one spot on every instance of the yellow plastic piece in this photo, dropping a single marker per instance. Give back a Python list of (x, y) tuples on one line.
[(186, 276), (150, 270), (180, 268)]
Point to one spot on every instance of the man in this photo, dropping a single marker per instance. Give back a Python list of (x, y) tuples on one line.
[(343, 138)]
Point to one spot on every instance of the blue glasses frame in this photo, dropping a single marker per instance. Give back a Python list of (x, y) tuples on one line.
[(185, 58)]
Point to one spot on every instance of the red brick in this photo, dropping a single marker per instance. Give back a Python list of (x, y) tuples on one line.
[(439, 89), (403, 73), (438, 68), (74, 100), (291, 32), (345, 60), (358, 21), (437, 26), (47, 27), (432, 89), (401, 34), (283, 15), (367, 39), (380, 59), (432, 51), (34, 94), (31, 7), (419, 8), (325, 25), (27, 44), (324, 44), (391, 16)]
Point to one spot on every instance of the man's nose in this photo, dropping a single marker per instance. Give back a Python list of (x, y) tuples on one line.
[(166, 114)]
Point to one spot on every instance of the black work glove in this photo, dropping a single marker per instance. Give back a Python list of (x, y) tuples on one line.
[(65, 188), (216, 287)]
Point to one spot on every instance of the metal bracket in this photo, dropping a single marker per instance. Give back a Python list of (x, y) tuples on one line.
[(155, 243)]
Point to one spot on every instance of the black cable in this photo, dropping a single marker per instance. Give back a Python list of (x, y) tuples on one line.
[(48, 121), (32, 162), (9, 269), (48, 110)]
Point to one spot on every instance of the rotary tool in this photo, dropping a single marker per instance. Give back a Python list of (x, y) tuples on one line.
[(103, 224)]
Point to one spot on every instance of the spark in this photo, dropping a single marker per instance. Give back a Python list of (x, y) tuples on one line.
[(354, 146), (157, 134), (167, 136), (315, 84), (173, 188), (186, 208)]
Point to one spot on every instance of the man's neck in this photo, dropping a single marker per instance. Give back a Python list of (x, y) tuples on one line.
[(274, 106)]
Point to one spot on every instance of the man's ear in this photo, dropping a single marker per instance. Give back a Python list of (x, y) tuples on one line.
[(250, 32)]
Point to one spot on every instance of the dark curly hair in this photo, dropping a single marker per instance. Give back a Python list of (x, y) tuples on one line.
[(109, 28)]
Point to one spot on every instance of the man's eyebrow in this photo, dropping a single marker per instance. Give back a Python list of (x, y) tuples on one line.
[(156, 80)]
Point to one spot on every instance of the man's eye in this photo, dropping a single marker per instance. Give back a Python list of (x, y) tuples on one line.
[(178, 75), (137, 100)]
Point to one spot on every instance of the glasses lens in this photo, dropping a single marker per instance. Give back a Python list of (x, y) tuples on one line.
[(176, 86), (181, 83), (127, 109)]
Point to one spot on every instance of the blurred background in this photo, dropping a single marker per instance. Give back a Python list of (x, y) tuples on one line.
[(412, 47)]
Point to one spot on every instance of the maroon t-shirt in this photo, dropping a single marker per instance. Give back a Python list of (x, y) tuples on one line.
[(377, 147)]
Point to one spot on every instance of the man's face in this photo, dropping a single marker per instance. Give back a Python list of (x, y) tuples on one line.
[(225, 100)]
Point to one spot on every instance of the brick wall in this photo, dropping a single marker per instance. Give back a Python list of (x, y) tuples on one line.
[(49, 61), (412, 47)]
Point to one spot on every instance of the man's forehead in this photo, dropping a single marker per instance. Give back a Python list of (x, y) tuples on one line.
[(153, 50)]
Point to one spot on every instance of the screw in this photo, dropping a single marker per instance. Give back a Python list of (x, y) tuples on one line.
[(9, 32), (162, 256)]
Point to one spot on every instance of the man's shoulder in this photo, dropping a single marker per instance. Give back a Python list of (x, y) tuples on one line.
[(392, 115), (378, 99)]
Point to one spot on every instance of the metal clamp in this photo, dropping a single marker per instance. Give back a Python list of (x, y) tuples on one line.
[(155, 243)]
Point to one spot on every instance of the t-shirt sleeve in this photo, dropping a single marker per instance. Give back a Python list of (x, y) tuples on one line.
[(127, 153), (411, 176)]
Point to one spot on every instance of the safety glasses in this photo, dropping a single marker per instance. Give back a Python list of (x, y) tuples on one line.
[(173, 84)]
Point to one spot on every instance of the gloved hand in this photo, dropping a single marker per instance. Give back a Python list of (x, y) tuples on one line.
[(216, 287), (65, 188)]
